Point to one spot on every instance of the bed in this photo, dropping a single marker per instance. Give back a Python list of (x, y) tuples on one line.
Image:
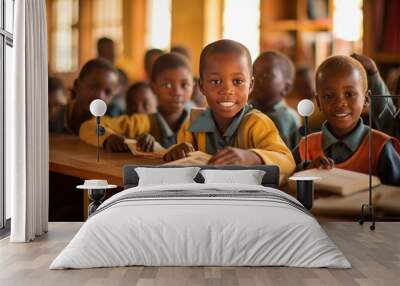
[(201, 224)]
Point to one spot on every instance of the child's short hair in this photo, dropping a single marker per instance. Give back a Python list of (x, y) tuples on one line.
[(137, 86), (169, 61), (149, 54), (224, 46), (339, 63), (181, 50), (54, 84), (284, 62), (103, 42), (94, 64)]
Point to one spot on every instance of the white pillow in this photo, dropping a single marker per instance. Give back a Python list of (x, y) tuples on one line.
[(164, 176), (248, 177)]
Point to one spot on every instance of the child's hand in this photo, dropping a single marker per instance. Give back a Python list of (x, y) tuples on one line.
[(179, 151), (145, 143), (115, 143), (368, 64), (235, 156), (321, 162)]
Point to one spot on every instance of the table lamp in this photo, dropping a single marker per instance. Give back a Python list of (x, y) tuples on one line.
[(98, 108), (305, 185), (96, 192)]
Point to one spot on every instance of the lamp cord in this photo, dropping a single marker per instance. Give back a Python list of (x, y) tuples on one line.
[(98, 137), (306, 140)]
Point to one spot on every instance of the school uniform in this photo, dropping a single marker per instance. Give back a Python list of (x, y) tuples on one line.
[(286, 120), (131, 127), (116, 107), (250, 129), (351, 153)]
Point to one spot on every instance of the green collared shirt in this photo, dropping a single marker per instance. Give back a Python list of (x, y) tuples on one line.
[(168, 136), (214, 140), (341, 150), (286, 120)]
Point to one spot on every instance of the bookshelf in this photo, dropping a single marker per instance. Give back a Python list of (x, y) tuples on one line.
[(301, 29), (382, 32)]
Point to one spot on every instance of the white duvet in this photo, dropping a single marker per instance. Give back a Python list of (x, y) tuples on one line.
[(185, 230)]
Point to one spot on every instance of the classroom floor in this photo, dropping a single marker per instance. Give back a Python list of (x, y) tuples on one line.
[(374, 255)]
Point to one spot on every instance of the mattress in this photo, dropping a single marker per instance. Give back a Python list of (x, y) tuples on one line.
[(201, 225)]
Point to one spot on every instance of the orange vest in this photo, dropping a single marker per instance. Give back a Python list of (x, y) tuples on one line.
[(357, 162)]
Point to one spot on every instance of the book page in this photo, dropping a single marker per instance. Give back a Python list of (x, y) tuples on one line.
[(337, 181), (158, 151), (194, 158)]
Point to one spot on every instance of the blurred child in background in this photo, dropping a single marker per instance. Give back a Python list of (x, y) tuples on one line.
[(273, 79), (140, 99), (57, 101)]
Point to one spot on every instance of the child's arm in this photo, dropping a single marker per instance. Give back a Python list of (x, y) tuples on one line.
[(382, 108), (321, 162), (178, 151), (389, 164), (375, 82), (235, 156), (264, 140), (122, 126), (145, 142), (184, 145), (115, 143)]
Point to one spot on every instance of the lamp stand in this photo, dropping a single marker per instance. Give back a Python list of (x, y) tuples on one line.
[(96, 197), (99, 132), (98, 137), (369, 207), (306, 139)]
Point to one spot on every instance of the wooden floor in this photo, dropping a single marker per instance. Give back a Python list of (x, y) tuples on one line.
[(375, 257)]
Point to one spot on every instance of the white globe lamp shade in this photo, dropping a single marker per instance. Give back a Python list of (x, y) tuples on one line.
[(305, 107), (98, 107)]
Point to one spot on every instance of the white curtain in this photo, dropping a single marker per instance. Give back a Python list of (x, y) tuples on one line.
[(27, 124)]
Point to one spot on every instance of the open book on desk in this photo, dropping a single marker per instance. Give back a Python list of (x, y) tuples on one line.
[(337, 181), (194, 158), (158, 150)]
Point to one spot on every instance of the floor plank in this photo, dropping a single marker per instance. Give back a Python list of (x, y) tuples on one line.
[(375, 257)]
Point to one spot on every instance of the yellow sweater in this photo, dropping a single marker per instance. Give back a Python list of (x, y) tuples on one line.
[(256, 132), (124, 125)]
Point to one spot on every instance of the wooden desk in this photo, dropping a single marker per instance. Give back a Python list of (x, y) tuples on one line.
[(386, 200), (73, 158), (70, 156)]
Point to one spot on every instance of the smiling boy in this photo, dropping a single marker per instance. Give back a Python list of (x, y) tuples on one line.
[(342, 93), (229, 129)]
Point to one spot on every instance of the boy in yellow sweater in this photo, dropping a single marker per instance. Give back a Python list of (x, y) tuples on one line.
[(172, 82), (229, 129)]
